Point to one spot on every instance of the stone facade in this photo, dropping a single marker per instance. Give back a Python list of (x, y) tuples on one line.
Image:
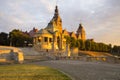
[(53, 36)]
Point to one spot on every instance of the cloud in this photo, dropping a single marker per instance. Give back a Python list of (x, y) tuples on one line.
[(49, 4), (99, 17)]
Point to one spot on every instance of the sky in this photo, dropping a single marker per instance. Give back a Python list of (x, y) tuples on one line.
[(100, 18)]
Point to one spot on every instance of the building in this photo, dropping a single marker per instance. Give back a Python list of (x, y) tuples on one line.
[(53, 36), (33, 32), (81, 33)]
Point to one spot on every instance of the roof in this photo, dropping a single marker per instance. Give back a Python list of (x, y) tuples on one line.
[(77, 35), (33, 32), (70, 33), (43, 31)]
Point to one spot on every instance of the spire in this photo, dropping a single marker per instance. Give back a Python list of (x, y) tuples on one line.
[(80, 28), (56, 20), (56, 11)]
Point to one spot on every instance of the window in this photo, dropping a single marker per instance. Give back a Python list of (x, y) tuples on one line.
[(50, 39), (45, 39), (39, 40)]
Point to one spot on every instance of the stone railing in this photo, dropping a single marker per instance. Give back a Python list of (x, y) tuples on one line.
[(92, 59)]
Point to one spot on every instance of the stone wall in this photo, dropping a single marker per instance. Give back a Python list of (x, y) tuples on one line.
[(11, 54), (74, 52)]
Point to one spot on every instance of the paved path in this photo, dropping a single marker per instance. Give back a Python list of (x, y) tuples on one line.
[(80, 70)]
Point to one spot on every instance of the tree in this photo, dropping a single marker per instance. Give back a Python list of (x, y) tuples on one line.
[(4, 38), (110, 48), (116, 50), (88, 45), (72, 41), (19, 39), (68, 40), (78, 44), (82, 44)]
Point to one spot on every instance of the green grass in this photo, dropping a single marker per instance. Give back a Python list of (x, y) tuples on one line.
[(30, 72)]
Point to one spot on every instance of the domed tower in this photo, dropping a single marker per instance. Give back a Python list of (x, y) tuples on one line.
[(81, 32), (55, 27), (56, 23), (58, 20)]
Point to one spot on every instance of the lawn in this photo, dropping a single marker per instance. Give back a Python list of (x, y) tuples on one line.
[(30, 72)]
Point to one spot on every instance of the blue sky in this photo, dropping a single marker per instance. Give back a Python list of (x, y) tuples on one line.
[(100, 18)]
